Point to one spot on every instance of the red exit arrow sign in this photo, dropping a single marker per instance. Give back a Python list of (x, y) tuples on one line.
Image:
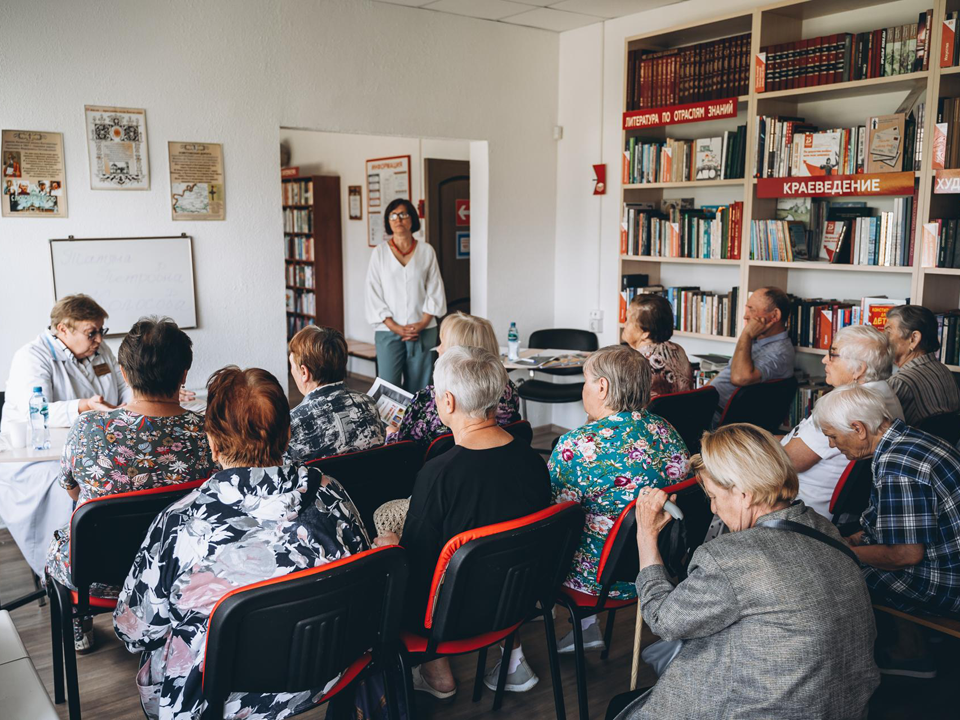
[(463, 213)]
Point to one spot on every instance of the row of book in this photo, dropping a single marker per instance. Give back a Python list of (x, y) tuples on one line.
[(679, 230), (841, 57), (299, 247), (301, 301), (300, 276), (791, 147), (814, 321), (662, 161), (842, 233), (707, 313), (705, 71), (296, 323), (808, 393), (297, 221), (298, 192), (948, 332), (946, 143), (946, 251)]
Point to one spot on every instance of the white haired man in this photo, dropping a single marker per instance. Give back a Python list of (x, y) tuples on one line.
[(910, 541), (859, 354)]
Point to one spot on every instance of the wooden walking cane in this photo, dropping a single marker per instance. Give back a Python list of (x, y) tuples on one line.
[(635, 667)]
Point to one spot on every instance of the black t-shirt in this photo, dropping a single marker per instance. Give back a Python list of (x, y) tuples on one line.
[(461, 490)]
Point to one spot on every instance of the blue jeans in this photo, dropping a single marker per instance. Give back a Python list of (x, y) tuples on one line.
[(407, 364)]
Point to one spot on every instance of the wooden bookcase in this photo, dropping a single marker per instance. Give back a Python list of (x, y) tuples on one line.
[(836, 105), (313, 252)]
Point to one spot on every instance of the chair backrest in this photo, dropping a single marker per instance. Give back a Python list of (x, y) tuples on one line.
[(297, 632), (106, 533), (689, 412), (372, 477), (620, 559), (764, 404), (852, 493), (521, 429), (438, 447), (490, 578), (945, 426)]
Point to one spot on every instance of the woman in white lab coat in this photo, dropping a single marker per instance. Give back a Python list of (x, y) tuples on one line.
[(76, 372)]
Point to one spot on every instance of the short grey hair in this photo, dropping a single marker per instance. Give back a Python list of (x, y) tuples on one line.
[(628, 373), (474, 376), (843, 406), (865, 344)]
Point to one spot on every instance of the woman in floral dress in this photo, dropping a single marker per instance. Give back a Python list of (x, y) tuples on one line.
[(648, 331), (249, 522), (421, 422), (602, 464), (149, 442)]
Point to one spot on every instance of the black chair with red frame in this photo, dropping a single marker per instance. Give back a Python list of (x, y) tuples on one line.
[(488, 581), (105, 535), (620, 562), (520, 429), (689, 412), (298, 632), (852, 495), (765, 404), (375, 476)]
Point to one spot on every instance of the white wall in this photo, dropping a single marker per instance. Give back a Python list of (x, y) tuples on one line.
[(204, 71), (235, 71), (320, 153)]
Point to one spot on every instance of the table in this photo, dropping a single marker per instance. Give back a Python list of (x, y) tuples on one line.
[(532, 352), (58, 437)]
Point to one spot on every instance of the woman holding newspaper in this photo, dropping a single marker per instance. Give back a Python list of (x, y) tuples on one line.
[(404, 298)]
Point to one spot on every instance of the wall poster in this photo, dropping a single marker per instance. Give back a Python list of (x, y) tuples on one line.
[(32, 174), (196, 181), (117, 146), (387, 179)]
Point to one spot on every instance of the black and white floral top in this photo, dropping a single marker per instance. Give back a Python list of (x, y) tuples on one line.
[(242, 526), (333, 419)]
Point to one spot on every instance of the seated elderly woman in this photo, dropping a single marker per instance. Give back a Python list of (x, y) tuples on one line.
[(488, 477), (774, 617), (602, 464), (251, 521), (421, 422), (147, 442), (332, 418), (859, 354), (648, 331)]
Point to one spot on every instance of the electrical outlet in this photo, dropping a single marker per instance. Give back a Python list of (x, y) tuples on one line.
[(596, 321)]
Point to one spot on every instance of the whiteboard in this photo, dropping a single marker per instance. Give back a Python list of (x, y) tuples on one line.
[(129, 277)]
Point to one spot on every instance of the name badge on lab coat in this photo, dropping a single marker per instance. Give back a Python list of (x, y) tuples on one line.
[(101, 369)]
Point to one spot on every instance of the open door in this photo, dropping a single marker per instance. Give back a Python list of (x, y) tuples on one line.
[(447, 184)]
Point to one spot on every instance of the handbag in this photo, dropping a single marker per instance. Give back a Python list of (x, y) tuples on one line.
[(811, 533)]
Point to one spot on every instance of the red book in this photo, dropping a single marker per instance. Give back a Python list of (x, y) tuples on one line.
[(948, 31)]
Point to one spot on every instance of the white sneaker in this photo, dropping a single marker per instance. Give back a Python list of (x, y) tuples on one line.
[(420, 684), (592, 640), (520, 680)]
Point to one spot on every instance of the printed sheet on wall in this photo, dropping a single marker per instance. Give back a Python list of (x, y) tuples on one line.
[(387, 179)]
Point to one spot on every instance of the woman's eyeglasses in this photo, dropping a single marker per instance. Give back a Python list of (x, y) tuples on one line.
[(399, 216), (832, 354)]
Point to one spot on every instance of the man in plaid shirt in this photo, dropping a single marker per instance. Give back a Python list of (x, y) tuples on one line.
[(910, 543)]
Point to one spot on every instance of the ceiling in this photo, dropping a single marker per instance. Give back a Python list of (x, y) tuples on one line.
[(554, 15)]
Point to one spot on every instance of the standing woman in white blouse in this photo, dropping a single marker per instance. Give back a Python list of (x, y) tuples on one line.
[(404, 298)]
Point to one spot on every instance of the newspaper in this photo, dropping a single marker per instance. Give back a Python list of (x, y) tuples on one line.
[(552, 359), (392, 402)]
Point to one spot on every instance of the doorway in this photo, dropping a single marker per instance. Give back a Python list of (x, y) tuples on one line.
[(447, 200)]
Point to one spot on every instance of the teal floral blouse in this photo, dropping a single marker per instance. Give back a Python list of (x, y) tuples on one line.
[(602, 465)]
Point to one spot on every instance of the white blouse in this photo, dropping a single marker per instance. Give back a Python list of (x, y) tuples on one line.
[(404, 292)]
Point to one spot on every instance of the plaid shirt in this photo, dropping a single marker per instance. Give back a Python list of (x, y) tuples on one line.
[(915, 499)]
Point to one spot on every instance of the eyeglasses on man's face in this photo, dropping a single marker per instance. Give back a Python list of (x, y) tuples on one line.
[(399, 216), (95, 333)]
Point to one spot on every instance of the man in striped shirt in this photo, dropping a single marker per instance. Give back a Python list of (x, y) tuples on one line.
[(924, 385)]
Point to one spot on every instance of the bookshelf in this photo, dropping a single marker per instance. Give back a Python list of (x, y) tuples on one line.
[(842, 104), (313, 252)]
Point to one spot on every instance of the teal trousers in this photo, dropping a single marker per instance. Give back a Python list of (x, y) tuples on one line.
[(407, 364)]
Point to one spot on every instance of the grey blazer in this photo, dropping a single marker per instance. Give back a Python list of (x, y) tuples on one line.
[(774, 624)]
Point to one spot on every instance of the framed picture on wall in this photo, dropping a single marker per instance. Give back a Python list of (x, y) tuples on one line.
[(355, 198), (387, 179)]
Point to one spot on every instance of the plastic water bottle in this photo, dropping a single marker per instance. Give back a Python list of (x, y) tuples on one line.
[(39, 432), (513, 342)]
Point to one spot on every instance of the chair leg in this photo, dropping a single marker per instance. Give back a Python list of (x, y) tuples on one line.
[(478, 680), (406, 681), (69, 652), (504, 664), (554, 659), (56, 644), (608, 634), (580, 662)]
